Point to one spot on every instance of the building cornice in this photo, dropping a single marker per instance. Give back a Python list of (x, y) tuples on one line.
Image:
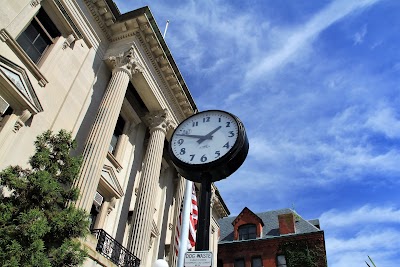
[(218, 203), (140, 23)]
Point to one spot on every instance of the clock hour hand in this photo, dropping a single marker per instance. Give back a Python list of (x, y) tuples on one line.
[(195, 136), (208, 136)]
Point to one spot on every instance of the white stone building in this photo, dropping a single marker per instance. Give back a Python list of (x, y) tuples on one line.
[(110, 79)]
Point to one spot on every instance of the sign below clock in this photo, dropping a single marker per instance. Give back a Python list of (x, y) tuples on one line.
[(209, 144), (198, 259)]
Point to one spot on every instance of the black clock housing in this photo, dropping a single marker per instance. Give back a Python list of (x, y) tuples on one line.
[(220, 168)]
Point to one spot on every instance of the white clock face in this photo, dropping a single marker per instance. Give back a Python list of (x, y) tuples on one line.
[(204, 137)]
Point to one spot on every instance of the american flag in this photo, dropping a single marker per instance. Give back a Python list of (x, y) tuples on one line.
[(192, 223)]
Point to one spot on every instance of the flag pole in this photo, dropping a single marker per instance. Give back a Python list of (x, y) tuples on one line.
[(166, 28), (184, 233)]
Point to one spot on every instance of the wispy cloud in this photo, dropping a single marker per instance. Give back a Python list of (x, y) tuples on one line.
[(361, 216), (385, 120), (304, 34), (359, 36), (352, 235)]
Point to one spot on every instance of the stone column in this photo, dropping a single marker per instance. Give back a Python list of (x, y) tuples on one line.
[(145, 202), (122, 141), (105, 209), (98, 140)]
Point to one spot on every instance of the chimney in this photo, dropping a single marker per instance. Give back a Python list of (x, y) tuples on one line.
[(286, 224)]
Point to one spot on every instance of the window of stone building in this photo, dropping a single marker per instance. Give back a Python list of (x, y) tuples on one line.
[(118, 131), (239, 263), (281, 261), (247, 231), (95, 210), (256, 261), (38, 36), (5, 110)]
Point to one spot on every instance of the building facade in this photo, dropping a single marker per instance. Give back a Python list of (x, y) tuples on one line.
[(110, 79), (279, 238)]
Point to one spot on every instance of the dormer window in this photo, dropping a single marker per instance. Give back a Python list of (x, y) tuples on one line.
[(247, 225), (247, 231)]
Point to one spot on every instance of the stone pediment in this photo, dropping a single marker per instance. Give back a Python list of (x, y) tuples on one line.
[(19, 90), (109, 182)]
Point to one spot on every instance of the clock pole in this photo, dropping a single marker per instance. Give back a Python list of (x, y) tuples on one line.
[(203, 229)]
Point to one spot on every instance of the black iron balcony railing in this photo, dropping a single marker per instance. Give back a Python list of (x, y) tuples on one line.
[(114, 251)]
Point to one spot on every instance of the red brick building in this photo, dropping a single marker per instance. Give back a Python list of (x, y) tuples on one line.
[(279, 238)]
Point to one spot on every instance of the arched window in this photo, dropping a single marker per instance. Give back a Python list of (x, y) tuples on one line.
[(247, 231)]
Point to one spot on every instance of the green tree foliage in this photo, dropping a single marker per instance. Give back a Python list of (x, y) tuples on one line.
[(301, 253), (37, 226)]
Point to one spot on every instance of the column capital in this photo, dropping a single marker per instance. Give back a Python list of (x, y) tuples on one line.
[(127, 62), (159, 120)]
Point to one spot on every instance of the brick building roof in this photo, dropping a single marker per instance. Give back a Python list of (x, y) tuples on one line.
[(271, 225)]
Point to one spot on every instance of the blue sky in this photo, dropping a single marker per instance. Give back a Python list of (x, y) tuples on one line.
[(316, 84)]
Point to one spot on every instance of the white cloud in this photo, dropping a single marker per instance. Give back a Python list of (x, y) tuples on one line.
[(304, 35), (342, 153), (361, 216), (358, 258), (384, 120), (359, 36), (365, 241), (352, 235)]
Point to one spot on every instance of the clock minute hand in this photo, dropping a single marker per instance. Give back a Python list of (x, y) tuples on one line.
[(192, 135), (208, 136)]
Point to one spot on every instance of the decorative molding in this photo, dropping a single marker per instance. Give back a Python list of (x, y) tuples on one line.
[(154, 229), (110, 182), (21, 120), (96, 8), (18, 125), (68, 41), (128, 62), (6, 37), (154, 233), (217, 203), (114, 161), (159, 120), (164, 69), (35, 3), (111, 205)]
